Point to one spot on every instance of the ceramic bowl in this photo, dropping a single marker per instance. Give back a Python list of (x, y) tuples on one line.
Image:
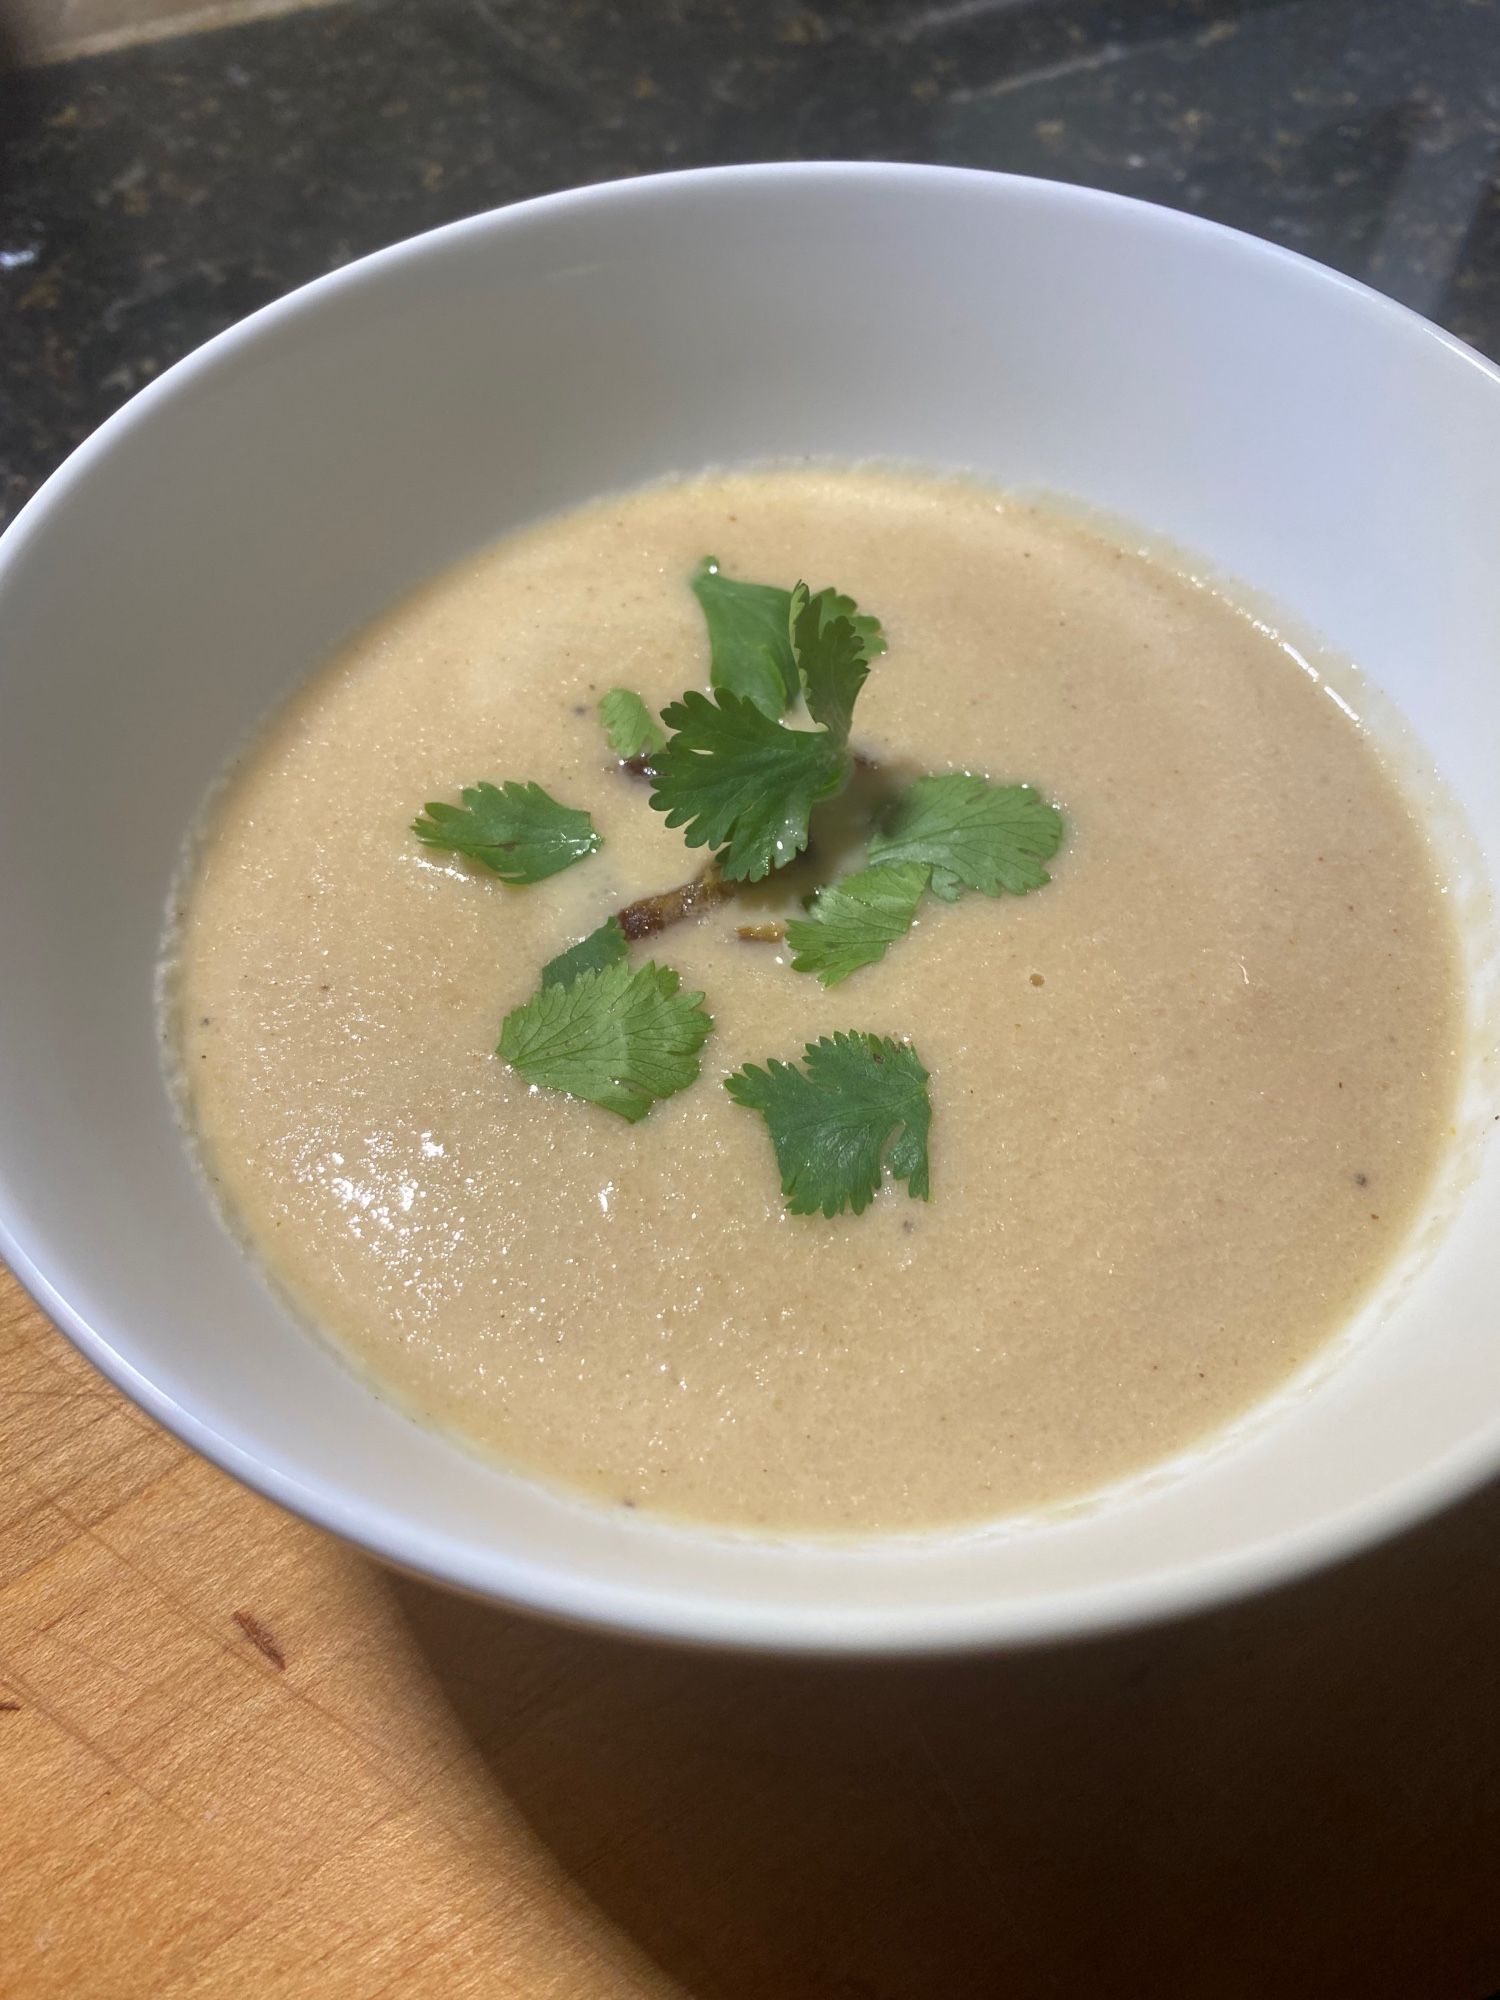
[(212, 542)]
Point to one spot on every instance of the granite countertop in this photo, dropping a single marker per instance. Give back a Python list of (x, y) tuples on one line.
[(151, 196)]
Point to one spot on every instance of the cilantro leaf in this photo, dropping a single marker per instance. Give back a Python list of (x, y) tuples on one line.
[(972, 834), (517, 831), (736, 779), (749, 637), (605, 946), (834, 650), (867, 627), (853, 920), (730, 773), (628, 725), (859, 1104), (619, 1038), (754, 645)]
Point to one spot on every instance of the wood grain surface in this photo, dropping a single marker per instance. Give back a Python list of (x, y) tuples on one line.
[(238, 1759)]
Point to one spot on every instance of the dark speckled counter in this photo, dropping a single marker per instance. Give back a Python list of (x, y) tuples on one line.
[(152, 196)]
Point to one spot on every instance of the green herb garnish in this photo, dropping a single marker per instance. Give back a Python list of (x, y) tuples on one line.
[(749, 638), (628, 725), (753, 647), (852, 921), (834, 645), (972, 834), (606, 946), (728, 771), (619, 1038), (859, 1106), (734, 779), (519, 832)]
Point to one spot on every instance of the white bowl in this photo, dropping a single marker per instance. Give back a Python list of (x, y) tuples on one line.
[(215, 539)]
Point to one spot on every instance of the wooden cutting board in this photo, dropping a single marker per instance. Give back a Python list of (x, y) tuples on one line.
[(238, 1759)]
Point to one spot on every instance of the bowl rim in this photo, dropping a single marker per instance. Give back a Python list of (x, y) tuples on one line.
[(747, 1622)]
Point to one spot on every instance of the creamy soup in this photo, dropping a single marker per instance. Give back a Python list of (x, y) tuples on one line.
[(1186, 1100)]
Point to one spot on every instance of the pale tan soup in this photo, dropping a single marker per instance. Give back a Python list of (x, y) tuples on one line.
[(1187, 1099)]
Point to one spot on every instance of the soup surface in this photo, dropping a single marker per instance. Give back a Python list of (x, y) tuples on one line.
[(1187, 1099)]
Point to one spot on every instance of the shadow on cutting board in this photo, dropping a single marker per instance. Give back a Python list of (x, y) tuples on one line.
[(1298, 1796)]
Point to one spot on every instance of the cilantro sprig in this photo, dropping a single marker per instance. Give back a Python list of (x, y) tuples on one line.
[(620, 1039), (518, 832), (858, 1108), (628, 724), (972, 835), (749, 638), (834, 646), (752, 638), (732, 775), (853, 920), (606, 946), (947, 834), (733, 779)]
